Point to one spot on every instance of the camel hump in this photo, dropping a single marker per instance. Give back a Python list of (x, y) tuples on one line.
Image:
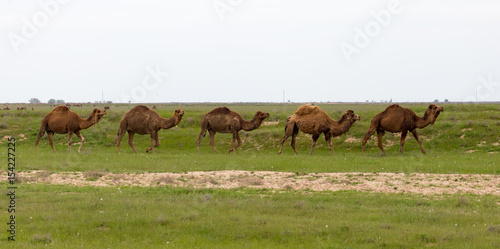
[(220, 110), (308, 110), (140, 108), (394, 106), (61, 108)]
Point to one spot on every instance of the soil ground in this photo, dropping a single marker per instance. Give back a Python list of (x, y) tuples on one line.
[(414, 183)]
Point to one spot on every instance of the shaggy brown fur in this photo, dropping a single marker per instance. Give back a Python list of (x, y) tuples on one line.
[(61, 120), (142, 120), (399, 119), (313, 120), (223, 120)]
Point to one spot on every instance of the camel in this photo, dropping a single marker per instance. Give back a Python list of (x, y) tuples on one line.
[(313, 120), (61, 120), (223, 120), (400, 119), (142, 120)]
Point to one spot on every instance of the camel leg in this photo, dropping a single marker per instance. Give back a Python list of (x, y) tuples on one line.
[(415, 134), (328, 138), (366, 137), (285, 137), (380, 134), (119, 139), (81, 138), (403, 138), (202, 134), (288, 132), (236, 137), (294, 139), (51, 141), (203, 131), (131, 140), (153, 138), (315, 138), (212, 139), (70, 135)]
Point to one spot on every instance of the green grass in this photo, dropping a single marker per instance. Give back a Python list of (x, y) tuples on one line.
[(131, 217), (461, 128), (179, 161)]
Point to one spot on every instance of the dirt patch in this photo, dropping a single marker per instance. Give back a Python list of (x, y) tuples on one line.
[(268, 123), (415, 183)]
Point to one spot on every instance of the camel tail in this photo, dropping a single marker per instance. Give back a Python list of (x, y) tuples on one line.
[(43, 128)]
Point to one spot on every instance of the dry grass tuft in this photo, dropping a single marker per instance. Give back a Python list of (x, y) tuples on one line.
[(165, 180), (45, 239), (93, 175)]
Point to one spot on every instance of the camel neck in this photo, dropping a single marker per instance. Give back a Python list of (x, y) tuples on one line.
[(167, 123), (86, 123), (250, 125), (422, 121), (341, 126)]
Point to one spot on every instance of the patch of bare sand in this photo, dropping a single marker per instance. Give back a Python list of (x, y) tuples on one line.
[(415, 183)]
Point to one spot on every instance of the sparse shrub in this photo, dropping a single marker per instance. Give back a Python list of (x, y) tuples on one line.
[(494, 229), (93, 175), (162, 221), (206, 198), (44, 239), (463, 202), (422, 203), (424, 238), (299, 205), (165, 180)]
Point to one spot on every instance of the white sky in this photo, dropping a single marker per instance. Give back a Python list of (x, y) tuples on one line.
[(446, 49)]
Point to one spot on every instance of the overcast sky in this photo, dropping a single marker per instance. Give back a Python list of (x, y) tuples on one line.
[(249, 50)]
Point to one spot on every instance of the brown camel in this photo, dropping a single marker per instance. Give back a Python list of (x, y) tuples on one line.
[(142, 120), (313, 120), (61, 120), (399, 119), (223, 120)]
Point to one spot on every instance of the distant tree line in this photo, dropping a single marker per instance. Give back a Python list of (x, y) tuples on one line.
[(53, 101)]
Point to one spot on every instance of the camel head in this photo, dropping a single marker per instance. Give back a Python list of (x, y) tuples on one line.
[(350, 117), (97, 114), (261, 115), (433, 112), (178, 114)]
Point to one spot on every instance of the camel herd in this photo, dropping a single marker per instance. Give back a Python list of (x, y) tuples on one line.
[(308, 119)]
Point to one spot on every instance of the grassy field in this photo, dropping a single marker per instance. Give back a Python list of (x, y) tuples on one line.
[(106, 217), (463, 140)]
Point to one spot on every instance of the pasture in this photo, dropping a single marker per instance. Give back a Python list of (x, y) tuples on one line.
[(464, 140)]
